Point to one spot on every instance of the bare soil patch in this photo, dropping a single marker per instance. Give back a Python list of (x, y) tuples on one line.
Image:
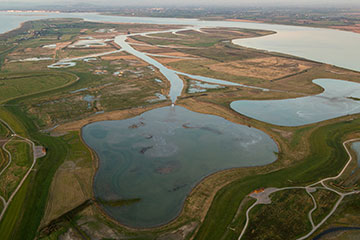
[(354, 28), (268, 68)]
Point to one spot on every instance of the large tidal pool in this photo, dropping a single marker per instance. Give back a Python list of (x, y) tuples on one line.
[(339, 98), (150, 163)]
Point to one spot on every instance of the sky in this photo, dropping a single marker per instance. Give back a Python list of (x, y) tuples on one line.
[(274, 3)]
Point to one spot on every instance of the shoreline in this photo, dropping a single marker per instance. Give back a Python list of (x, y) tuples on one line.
[(15, 29), (193, 187), (340, 28)]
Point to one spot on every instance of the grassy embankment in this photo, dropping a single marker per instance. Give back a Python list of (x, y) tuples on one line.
[(71, 183), (26, 210)]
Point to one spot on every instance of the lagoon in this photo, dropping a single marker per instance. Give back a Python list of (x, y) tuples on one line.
[(159, 156), (339, 98)]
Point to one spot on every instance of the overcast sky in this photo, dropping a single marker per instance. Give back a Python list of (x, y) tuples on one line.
[(323, 3)]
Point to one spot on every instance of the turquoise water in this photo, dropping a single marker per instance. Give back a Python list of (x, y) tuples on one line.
[(160, 155), (334, 102)]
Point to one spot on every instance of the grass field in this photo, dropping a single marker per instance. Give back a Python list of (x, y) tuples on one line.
[(14, 123), (347, 214), (1, 206), (21, 161), (3, 159), (70, 186), (13, 214), (325, 200), (21, 84), (3, 131), (267, 221)]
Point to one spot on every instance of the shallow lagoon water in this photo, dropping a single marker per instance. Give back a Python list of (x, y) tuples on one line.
[(197, 86), (334, 102), (160, 155)]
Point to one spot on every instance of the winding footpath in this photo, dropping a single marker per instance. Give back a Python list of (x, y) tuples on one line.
[(32, 144), (263, 198)]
